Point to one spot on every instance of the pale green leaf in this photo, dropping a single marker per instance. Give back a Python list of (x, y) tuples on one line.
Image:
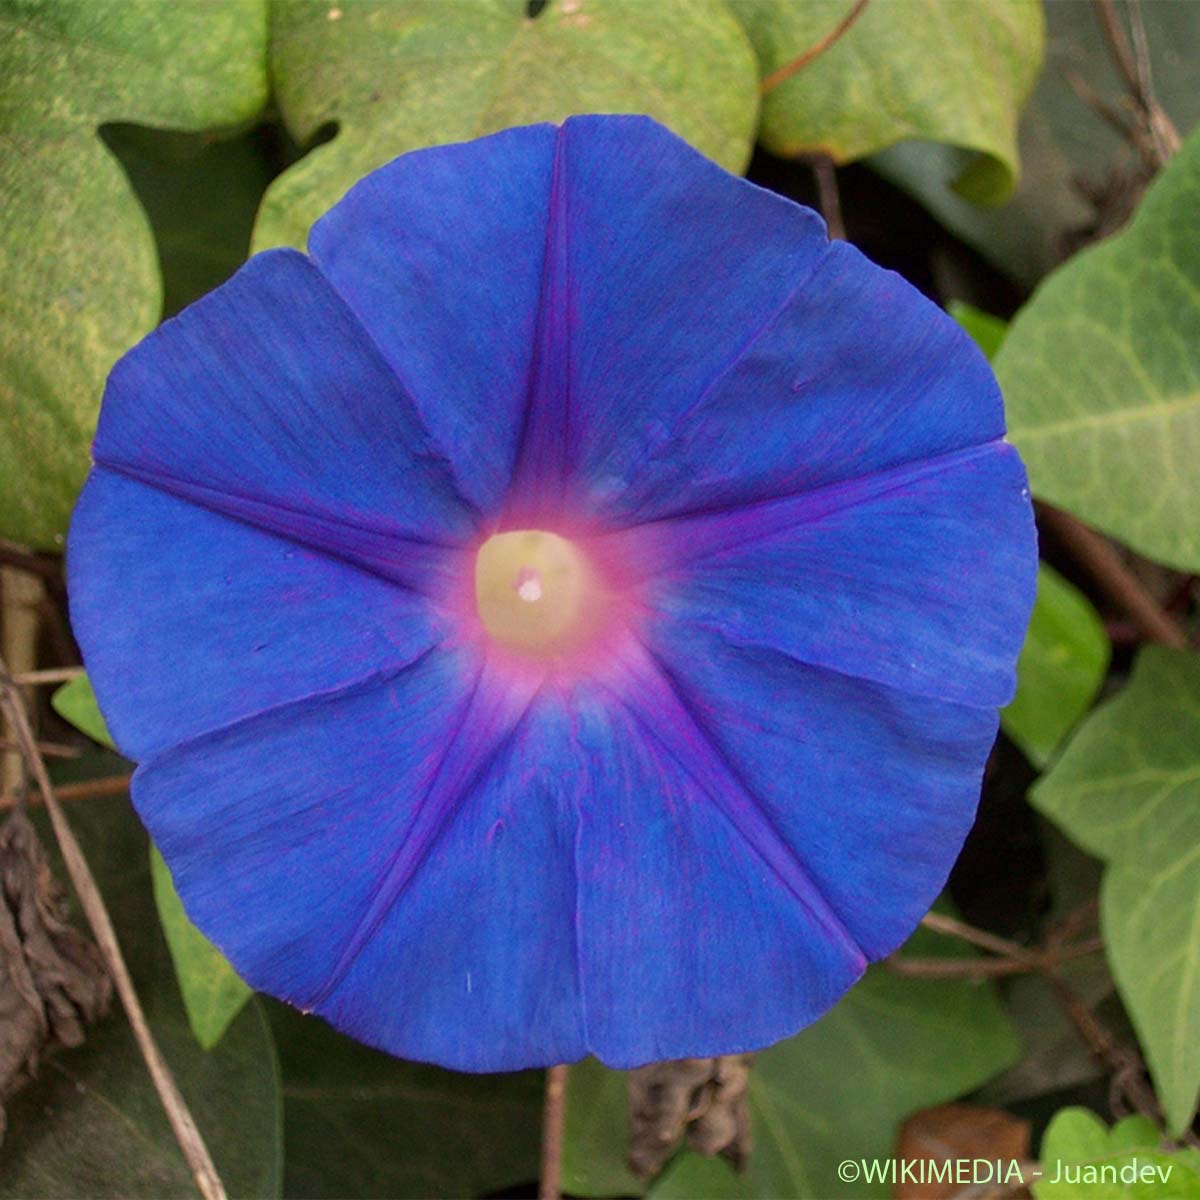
[(1081, 1157), (78, 269), (396, 75), (956, 74), (213, 992), (841, 1088), (1067, 148), (1101, 376), (1062, 665), (1127, 788)]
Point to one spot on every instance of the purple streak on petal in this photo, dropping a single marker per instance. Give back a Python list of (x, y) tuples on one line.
[(546, 443), (396, 855), (664, 712), (491, 716), (699, 934), (856, 373), (440, 255), (874, 788), (662, 266), (422, 566), (919, 577), (268, 399), (189, 621), (475, 966)]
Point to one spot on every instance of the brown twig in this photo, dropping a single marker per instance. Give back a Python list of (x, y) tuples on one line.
[(45, 566), (89, 789), (953, 927), (553, 1120), (182, 1122), (52, 675), (46, 749), (780, 74), (1012, 958), (828, 196), (1157, 138), (989, 968), (1102, 561)]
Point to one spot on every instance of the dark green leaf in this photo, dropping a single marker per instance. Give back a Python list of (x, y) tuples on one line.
[(91, 1125), (363, 1124)]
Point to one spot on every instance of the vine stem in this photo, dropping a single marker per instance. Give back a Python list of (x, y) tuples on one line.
[(553, 1121), (182, 1123), (785, 72), (1103, 562)]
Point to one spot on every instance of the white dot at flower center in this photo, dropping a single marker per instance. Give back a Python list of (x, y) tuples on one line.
[(529, 585)]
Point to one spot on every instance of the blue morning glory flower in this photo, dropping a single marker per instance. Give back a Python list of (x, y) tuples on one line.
[(564, 612)]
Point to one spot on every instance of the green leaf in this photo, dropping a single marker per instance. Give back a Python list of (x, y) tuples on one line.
[(841, 1087), (950, 73), (76, 702), (1127, 789), (1101, 376), (1066, 148), (396, 75), (78, 269), (691, 1176), (213, 992), (987, 332), (201, 196), (1080, 1156), (1062, 665), (91, 1124), (596, 1134), (837, 1090), (364, 1124)]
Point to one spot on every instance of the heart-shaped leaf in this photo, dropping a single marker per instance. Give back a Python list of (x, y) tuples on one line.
[(1081, 1157), (1101, 376), (78, 269), (1127, 789), (396, 75), (956, 74)]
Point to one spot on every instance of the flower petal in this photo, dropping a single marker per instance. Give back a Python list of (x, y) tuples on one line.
[(190, 620), (712, 347), (701, 931), (440, 253), (872, 789), (921, 578), (267, 401), (661, 270), (393, 856)]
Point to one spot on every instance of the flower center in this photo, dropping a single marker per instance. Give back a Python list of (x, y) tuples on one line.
[(535, 591)]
